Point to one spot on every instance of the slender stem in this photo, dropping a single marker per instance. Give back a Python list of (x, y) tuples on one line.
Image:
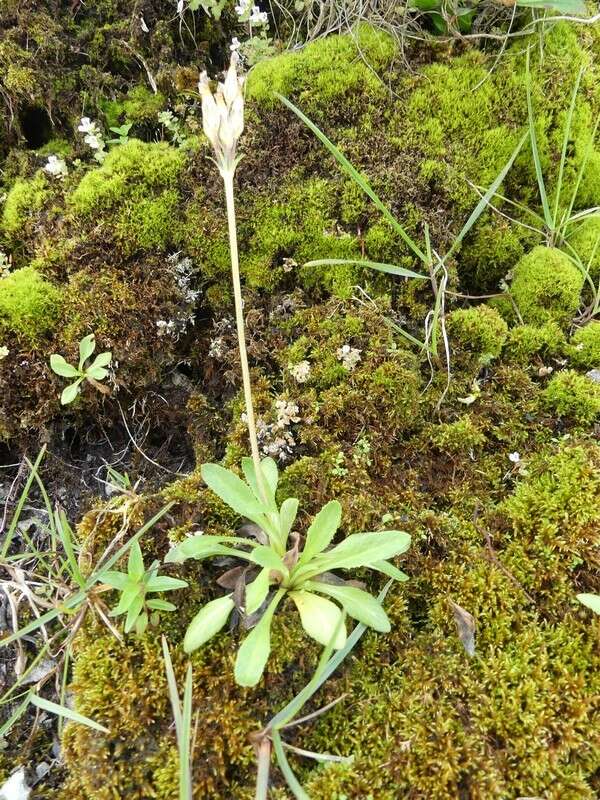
[(241, 331)]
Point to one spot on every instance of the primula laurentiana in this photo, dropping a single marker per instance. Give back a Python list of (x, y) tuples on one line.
[(223, 115), (56, 166)]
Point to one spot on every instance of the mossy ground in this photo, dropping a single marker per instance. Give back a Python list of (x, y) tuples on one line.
[(512, 540)]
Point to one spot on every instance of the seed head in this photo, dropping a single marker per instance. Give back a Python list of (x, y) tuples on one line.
[(223, 115)]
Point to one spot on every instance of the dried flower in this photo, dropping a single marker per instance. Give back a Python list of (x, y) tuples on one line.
[(287, 413), (300, 371), (349, 356), (223, 115)]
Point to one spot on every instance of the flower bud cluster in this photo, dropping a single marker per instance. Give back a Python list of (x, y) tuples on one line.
[(223, 115)]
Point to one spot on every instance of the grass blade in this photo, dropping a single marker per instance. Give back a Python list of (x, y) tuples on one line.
[(391, 269), (290, 778), (21, 503), (185, 774), (565, 144), (486, 198), (536, 154), (16, 715), (356, 177), (63, 711)]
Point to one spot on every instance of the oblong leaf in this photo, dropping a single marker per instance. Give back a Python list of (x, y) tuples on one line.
[(86, 347), (118, 580), (322, 530), (97, 373), (207, 622), (164, 583), (69, 393), (133, 612), (320, 618), (254, 651), (591, 601), (287, 517), (269, 472), (390, 570), (257, 591), (267, 557), (361, 549), (135, 562), (204, 546), (156, 604), (357, 603), (101, 360), (62, 367), (232, 490)]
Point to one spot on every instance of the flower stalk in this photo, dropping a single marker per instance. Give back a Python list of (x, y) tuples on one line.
[(223, 123)]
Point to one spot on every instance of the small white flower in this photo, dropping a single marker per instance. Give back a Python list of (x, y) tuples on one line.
[(93, 141), (300, 371), (4, 351), (56, 166), (349, 356), (243, 7), (514, 457), (257, 16), (180, 7), (86, 125), (235, 44), (287, 413)]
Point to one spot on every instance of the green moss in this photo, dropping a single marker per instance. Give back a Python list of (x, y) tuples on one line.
[(585, 240), (140, 106), (457, 437), (26, 197), (546, 286), (479, 331), (29, 304), (584, 347), (136, 187), (327, 69), (573, 396), (527, 341), (588, 195)]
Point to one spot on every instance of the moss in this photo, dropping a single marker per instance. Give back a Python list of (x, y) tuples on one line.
[(585, 240), (588, 195), (584, 347), (140, 106), (460, 436), (334, 67), (479, 331), (525, 342), (573, 396), (546, 286), (29, 304), (26, 197)]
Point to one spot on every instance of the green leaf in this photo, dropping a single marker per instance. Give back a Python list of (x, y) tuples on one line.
[(141, 623), (254, 650), (101, 360), (207, 622), (287, 517), (68, 713), (118, 580), (320, 618), (65, 534), (135, 563), (389, 569), (267, 557), (591, 601), (97, 373), (156, 604), (322, 530), (233, 491), (357, 603), (69, 393), (361, 549), (536, 154), (257, 591), (62, 367), (269, 472), (562, 6), (391, 269), (163, 583), (86, 347), (205, 546), (134, 612), (127, 598)]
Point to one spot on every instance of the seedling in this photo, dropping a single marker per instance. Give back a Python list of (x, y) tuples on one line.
[(93, 373), (277, 566), (134, 585), (121, 133)]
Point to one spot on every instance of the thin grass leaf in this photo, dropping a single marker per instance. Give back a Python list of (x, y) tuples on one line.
[(391, 269), (63, 711), (356, 177), (172, 686), (565, 144), (291, 780), (485, 200), (22, 500), (65, 534), (16, 715), (185, 771), (536, 154)]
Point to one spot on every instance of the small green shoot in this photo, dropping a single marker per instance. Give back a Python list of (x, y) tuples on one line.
[(135, 585), (92, 372)]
